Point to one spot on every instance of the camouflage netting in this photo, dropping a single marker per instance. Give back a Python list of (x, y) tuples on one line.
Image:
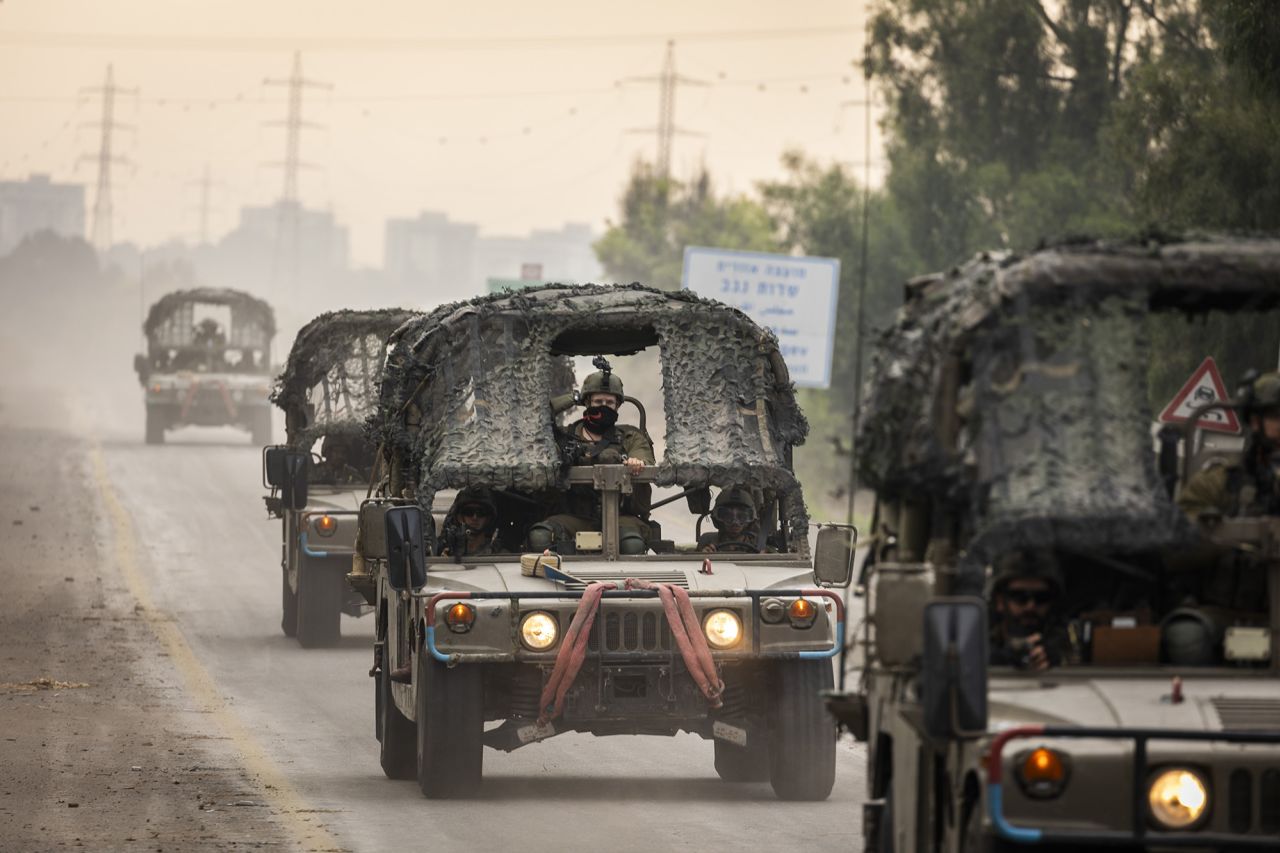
[(170, 323), (1050, 356), (331, 381), (473, 381)]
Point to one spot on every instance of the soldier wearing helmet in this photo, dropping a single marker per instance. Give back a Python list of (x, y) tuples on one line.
[(1027, 630), (1249, 488), (737, 524), (337, 454), (598, 439), (470, 527)]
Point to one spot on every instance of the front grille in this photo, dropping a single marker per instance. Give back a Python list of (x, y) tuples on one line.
[(1270, 801), (675, 578), (1247, 714), (632, 631), (1240, 801)]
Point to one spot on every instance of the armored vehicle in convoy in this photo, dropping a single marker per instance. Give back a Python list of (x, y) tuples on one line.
[(328, 389), (604, 629), (207, 362), (1057, 657)]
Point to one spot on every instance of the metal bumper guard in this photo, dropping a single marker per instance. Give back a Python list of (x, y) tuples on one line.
[(429, 638), (1140, 834)]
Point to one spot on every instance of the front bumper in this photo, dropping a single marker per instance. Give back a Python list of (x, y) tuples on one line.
[(761, 640), (1254, 835)]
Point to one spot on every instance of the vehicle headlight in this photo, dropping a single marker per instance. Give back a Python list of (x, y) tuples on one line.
[(326, 525), (538, 631), (723, 629), (1178, 798)]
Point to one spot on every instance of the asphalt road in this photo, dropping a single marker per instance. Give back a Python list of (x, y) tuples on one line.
[(208, 558)]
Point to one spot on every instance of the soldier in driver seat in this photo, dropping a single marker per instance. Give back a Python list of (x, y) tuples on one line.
[(737, 525)]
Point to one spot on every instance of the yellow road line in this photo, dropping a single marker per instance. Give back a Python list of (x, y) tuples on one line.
[(287, 803)]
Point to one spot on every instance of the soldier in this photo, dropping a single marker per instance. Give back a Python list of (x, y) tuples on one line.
[(1250, 488), (335, 463), (598, 439), (1026, 624), (737, 528), (470, 528)]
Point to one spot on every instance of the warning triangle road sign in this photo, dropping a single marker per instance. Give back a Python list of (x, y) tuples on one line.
[(1204, 387)]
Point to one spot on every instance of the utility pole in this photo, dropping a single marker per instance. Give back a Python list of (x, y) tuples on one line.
[(205, 184), (289, 207), (666, 129), (102, 237)]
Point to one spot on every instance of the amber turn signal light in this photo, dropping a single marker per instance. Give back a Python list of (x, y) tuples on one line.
[(1043, 772), (460, 617), (326, 525), (801, 612)]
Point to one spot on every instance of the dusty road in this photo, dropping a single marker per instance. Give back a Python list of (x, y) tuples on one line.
[(183, 544)]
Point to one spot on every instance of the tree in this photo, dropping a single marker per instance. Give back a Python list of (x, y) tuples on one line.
[(661, 216)]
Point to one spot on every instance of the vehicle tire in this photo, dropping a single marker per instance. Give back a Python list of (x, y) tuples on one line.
[(450, 712), (288, 606), (395, 731), (260, 427), (742, 764), (155, 425), (802, 743), (884, 838), (320, 592)]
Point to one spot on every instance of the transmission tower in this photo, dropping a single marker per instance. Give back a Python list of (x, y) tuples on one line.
[(289, 206), (105, 158), (666, 130), (205, 184)]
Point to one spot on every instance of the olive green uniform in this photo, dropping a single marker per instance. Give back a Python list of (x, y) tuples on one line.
[(581, 509)]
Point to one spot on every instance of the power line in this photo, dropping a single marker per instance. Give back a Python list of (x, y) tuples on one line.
[(105, 158), (666, 130), (314, 44)]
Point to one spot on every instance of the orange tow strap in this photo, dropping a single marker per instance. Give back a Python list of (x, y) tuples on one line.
[(685, 628)]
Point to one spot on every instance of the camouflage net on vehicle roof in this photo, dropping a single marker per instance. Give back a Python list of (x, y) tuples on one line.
[(331, 381), (474, 380), (170, 323), (1053, 445)]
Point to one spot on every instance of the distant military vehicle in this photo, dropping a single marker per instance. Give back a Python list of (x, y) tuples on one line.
[(731, 646), (208, 362), (1008, 423), (328, 389)]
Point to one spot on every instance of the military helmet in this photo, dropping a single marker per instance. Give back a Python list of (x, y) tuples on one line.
[(475, 495), (597, 383), (1036, 563), (1264, 394), (734, 505)]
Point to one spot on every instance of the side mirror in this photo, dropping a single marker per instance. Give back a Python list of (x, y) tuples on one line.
[(699, 501), (833, 556), (953, 679), (286, 470), (373, 530), (406, 552)]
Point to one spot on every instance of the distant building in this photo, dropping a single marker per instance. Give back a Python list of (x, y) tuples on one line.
[(432, 254), (565, 255), (437, 258), (38, 204)]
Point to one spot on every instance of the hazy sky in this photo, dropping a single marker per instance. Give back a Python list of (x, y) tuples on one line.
[(511, 115)]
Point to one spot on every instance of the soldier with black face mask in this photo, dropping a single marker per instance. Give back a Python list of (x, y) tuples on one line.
[(598, 439)]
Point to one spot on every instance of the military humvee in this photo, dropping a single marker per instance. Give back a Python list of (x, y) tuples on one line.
[(462, 642), (328, 389), (207, 362), (1008, 413)]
